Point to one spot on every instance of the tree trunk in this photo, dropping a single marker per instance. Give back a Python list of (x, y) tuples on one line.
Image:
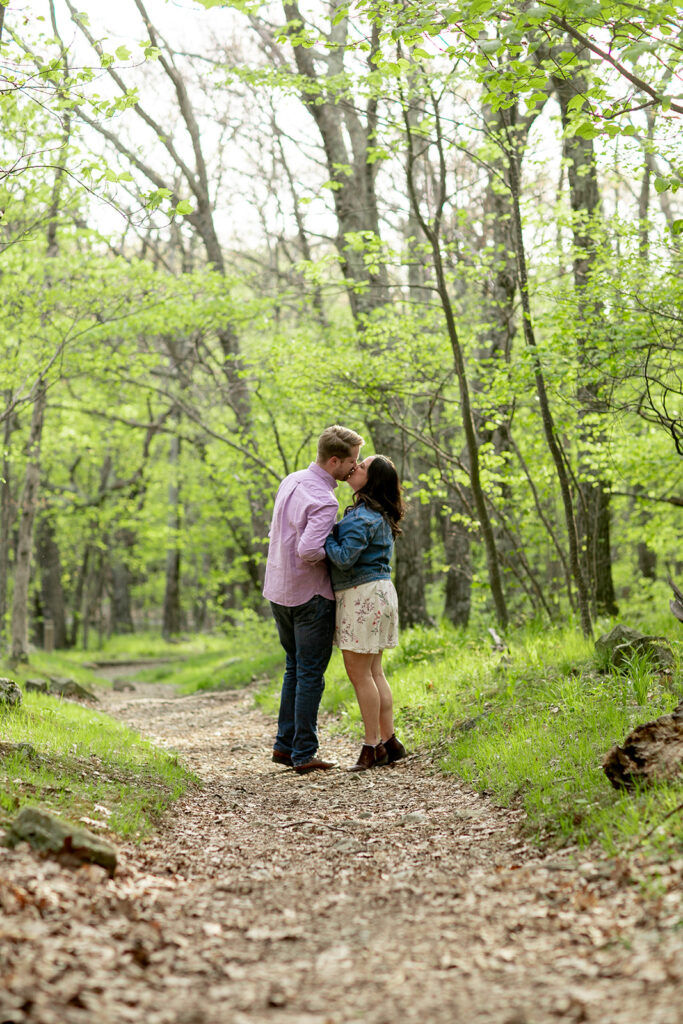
[(593, 501), (409, 565), (77, 599), (432, 232), (494, 343), (456, 541), (547, 419), (5, 518), (29, 503), (121, 581), (92, 594), (172, 617), (51, 591), (348, 141)]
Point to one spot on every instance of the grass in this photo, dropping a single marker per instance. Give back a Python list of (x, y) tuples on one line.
[(529, 727), (86, 765), (89, 766)]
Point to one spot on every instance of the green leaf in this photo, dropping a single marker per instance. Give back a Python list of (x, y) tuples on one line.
[(576, 102), (123, 53), (184, 207), (677, 228), (156, 197)]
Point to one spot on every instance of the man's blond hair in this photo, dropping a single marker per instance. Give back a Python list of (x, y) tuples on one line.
[(337, 441)]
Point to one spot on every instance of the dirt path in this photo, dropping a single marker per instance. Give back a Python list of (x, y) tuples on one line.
[(389, 896)]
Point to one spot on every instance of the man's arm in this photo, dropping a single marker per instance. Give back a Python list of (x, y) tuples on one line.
[(319, 523), (355, 533)]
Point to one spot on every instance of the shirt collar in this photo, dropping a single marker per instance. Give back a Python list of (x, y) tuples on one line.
[(323, 475)]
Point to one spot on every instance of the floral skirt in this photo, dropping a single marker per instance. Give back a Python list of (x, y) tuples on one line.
[(367, 617)]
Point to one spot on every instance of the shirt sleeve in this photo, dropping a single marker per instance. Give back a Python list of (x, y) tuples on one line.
[(319, 523), (354, 534)]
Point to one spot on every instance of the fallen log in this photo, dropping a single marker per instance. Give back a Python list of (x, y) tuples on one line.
[(653, 752)]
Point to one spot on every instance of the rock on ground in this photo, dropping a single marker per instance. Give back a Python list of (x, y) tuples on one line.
[(391, 895)]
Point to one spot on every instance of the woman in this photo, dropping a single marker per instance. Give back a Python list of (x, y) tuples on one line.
[(359, 550)]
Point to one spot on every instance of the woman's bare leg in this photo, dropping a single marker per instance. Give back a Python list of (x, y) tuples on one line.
[(386, 701), (359, 670)]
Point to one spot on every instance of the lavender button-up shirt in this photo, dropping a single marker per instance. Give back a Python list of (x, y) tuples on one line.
[(304, 514)]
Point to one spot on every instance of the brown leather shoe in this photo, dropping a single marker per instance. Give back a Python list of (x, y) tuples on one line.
[(370, 757), (394, 748), (280, 758), (314, 765)]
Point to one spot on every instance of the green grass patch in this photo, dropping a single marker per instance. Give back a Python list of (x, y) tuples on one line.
[(86, 765), (225, 662), (530, 727)]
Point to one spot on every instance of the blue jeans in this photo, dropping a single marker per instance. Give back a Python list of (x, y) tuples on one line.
[(306, 632)]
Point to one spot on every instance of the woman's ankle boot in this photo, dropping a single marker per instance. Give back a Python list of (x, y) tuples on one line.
[(394, 748), (370, 757)]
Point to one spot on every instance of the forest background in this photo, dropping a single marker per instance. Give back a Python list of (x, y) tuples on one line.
[(454, 227)]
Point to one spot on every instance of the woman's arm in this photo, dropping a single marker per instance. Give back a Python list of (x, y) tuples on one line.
[(354, 534)]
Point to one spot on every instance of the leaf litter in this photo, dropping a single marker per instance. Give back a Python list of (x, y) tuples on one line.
[(330, 898)]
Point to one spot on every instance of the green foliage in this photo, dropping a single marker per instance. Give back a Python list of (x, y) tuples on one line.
[(248, 652), (88, 766), (529, 727), (134, 349)]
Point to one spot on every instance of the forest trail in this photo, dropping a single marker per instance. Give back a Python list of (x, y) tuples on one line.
[(395, 895)]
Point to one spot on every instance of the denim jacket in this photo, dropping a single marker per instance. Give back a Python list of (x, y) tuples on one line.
[(359, 548)]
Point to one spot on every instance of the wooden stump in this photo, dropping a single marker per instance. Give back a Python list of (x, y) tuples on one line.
[(653, 752)]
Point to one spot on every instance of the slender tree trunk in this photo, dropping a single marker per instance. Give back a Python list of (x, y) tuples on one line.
[(92, 595), (495, 339), (432, 232), (348, 139), (29, 503), (77, 599), (456, 542), (5, 518), (51, 590), (544, 405), (121, 582), (593, 501), (172, 615), (409, 565)]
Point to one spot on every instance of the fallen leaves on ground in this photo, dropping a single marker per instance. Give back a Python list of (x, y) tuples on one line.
[(395, 894)]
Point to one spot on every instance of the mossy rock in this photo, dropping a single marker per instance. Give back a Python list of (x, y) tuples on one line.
[(51, 836), (622, 643), (10, 695)]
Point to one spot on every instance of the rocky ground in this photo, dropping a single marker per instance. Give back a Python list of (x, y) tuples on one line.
[(386, 896)]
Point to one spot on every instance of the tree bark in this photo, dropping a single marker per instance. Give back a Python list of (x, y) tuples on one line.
[(29, 503), (432, 232), (171, 624), (651, 754), (5, 517), (51, 590), (539, 379), (456, 541), (121, 620), (593, 501), (353, 173), (77, 599)]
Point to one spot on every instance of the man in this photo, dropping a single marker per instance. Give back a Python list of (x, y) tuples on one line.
[(298, 587)]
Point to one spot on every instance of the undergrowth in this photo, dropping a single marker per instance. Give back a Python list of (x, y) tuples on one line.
[(529, 726), (85, 766)]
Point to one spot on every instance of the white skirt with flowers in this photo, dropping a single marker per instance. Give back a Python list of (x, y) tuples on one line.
[(367, 617)]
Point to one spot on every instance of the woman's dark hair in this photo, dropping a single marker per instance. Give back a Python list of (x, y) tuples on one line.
[(382, 492)]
